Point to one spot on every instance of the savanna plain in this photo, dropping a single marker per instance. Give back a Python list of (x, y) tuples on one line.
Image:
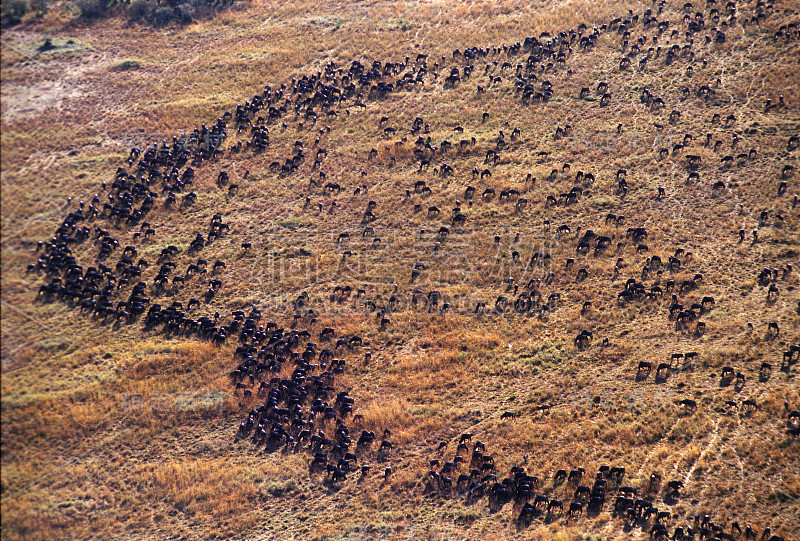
[(400, 270)]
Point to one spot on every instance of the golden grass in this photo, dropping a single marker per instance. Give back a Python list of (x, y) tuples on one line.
[(111, 432), (213, 487)]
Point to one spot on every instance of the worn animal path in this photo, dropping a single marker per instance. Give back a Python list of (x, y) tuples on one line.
[(711, 442)]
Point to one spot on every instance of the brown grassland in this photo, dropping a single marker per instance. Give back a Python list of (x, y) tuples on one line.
[(113, 430)]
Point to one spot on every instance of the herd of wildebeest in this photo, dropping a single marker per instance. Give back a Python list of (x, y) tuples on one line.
[(287, 379)]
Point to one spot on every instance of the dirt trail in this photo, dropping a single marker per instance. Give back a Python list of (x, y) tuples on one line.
[(28, 99), (710, 445)]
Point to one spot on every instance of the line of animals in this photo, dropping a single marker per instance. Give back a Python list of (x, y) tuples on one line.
[(294, 412), (532, 497), (164, 163), (686, 361)]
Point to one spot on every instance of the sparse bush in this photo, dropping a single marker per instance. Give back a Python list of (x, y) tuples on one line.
[(163, 15), (140, 10), (40, 7), (14, 11), (147, 11), (187, 12), (92, 10)]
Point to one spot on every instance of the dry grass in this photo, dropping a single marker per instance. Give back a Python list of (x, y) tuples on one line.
[(111, 431)]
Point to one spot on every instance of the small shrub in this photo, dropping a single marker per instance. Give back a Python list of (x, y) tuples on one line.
[(46, 46), (282, 488), (126, 65)]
